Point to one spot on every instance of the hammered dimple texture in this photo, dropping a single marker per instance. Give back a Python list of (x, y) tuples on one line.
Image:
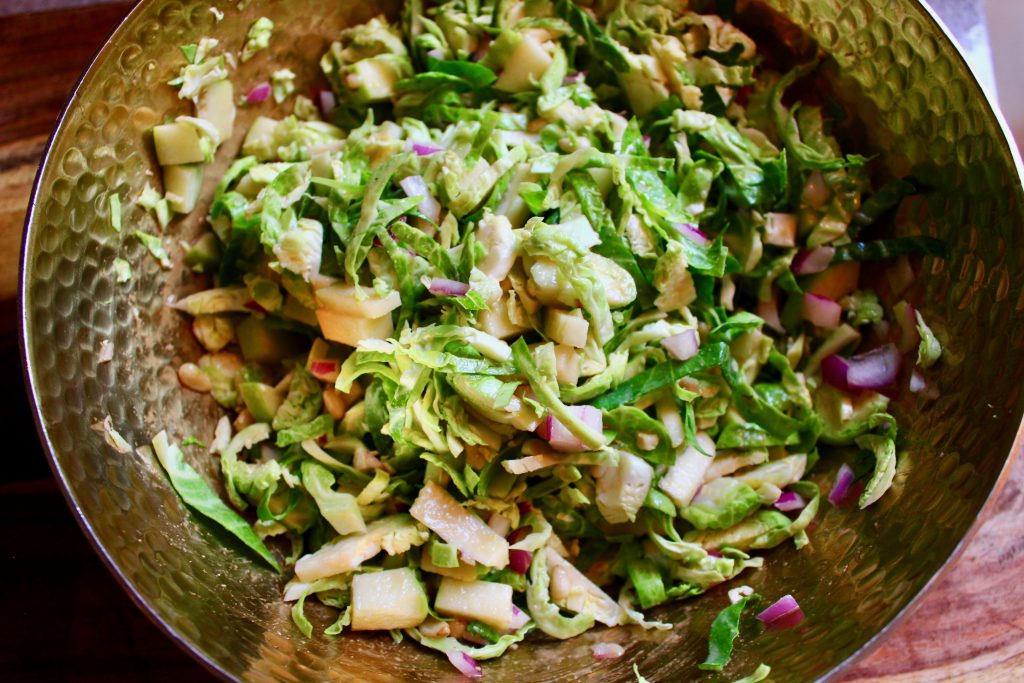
[(920, 107)]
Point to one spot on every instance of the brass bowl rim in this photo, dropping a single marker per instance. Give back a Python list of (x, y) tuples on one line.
[(1006, 138)]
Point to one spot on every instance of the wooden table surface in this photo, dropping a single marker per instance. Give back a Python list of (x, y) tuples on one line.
[(68, 620)]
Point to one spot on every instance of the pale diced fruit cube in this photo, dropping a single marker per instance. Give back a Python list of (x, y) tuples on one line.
[(685, 476), (496, 322), (572, 590), (387, 600), (182, 185), (780, 473), (525, 65), (780, 229), (438, 511), (567, 327), (464, 572), (177, 143), (484, 601), (260, 135), (217, 105), (567, 365), (337, 558), (350, 330), (346, 299)]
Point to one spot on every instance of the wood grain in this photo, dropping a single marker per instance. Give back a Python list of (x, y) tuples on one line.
[(41, 58), (970, 627)]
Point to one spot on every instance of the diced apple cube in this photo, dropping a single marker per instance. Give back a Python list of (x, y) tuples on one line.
[(464, 572), (685, 476), (496, 322), (387, 600), (567, 327), (527, 63), (182, 185), (217, 105), (780, 229), (344, 299), (350, 330), (572, 590), (567, 365), (484, 601), (337, 558), (177, 143), (442, 514)]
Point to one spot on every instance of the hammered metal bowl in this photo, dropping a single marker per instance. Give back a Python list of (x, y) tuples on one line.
[(918, 104)]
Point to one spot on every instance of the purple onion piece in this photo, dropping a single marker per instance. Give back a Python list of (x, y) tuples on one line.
[(834, 371), (519, 560), (875, 369), (425, 150), (466, 665), (440, 286), (785, 613), (790, 501), (259, 92), (808, 261), (841, 487), (327, 103)]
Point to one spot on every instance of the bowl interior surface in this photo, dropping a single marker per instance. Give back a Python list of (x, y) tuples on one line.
[(889, 60)]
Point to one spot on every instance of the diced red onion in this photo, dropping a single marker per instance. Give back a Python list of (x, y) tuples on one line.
[(325, 370), (415, 186), (714, 553), (436, 53), (440, 286), (574, 78), (519, 534), (559, 436), (789, 501), (426, 150), (647, 141), (841, 487), (834, 370), (525, 508), (692, 233), (252, 305), (519, 560), (259, 92), (785, 613), (519, 619), (768, 311), (466, 665), (876, 369), (608, 651), (814, 260), (918, 385), (821, 311), (909, 336), (682, 346), (327, 102)]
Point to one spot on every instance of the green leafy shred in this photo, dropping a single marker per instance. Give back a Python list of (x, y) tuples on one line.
[(115, 212), (724, 630), (198, 495), (155, 246), (258, 38), (596, 413)]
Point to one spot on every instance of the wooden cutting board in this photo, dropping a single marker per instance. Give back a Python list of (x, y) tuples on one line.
[(970, 627)]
